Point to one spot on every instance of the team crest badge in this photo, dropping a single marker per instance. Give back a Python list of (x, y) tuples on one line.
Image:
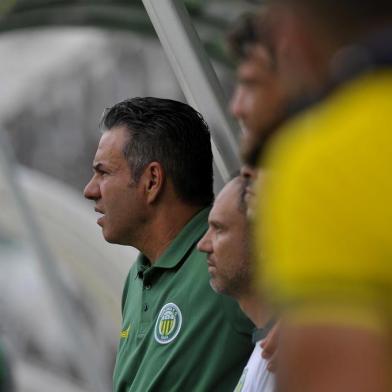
[(168, 323)]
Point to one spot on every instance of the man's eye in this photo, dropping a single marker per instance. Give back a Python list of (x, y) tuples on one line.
[(218, 229), (100, 173)]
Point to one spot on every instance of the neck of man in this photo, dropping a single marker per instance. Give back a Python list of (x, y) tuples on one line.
[(256, 309), (168, 221)]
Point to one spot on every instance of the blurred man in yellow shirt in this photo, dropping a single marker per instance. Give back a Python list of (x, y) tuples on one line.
[(257, 102), (327, 213)]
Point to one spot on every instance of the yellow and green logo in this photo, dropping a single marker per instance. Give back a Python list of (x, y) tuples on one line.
[(168, 323), (124, 333)]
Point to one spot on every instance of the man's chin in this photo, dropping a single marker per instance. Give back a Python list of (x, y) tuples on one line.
[(112, 239), (212, 284), (219, 289), (109, 237), (251, 150)]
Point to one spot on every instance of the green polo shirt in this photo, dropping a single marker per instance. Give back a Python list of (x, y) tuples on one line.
[(177, 333)]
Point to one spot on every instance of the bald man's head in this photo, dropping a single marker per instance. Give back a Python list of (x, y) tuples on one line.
[(226, 241)]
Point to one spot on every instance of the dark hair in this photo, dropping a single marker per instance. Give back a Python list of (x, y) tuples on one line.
[(358, 9), (171, 133), (251, 29), (347, 18)]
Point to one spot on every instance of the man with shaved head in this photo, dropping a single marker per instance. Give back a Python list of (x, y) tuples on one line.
[(227, 246)]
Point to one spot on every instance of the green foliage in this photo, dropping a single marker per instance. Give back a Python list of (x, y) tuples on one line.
[(128, 15), (6, 6)]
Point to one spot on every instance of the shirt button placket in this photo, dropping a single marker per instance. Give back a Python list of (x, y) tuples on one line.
[(146, 296)]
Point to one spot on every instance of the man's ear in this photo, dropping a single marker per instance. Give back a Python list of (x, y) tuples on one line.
[(153, 181)]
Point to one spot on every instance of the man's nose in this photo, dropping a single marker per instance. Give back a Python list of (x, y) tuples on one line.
[(204, 245), (236, 104), (91, 190)]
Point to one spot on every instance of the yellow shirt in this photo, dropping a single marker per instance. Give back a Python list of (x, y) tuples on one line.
[(326, 215)]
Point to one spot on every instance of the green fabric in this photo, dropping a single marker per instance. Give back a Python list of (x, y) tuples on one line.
[(2, 367), (213, 343), (6, 384)]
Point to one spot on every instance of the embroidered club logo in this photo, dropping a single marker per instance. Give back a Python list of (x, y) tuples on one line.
[(168, 323), (125, 333)]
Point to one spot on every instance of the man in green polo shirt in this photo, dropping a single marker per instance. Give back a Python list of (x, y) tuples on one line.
[(152, 182)]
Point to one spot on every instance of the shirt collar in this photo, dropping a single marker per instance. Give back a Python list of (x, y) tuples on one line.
[(179, 247), (261, 333)]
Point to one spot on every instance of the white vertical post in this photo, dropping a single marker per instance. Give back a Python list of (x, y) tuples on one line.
[(196, 77)]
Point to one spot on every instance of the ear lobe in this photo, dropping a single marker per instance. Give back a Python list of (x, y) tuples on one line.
[(154, 177)]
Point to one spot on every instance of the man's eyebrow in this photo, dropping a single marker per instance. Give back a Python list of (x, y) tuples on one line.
[(215, 224)]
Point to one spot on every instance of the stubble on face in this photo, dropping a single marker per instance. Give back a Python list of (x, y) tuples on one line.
[(228, 260), (118, 199), (259, 97)]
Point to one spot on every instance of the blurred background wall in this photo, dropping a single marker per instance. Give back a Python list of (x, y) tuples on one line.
[(61, 64), (57, 83)]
